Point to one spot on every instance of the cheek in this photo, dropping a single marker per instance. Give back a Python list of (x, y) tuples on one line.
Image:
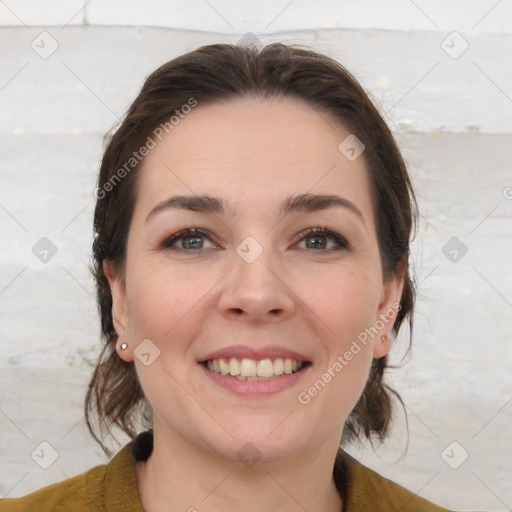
[(162, 303), (166, 307), (346, 302)]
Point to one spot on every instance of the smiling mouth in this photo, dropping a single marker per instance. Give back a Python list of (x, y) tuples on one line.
[(255, 370)]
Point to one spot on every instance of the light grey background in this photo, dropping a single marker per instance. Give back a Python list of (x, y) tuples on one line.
[(450, 110)]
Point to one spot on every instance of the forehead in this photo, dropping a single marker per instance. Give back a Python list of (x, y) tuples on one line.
[(252, 150)]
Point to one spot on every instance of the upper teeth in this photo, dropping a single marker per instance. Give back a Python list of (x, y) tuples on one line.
[(253, 368)]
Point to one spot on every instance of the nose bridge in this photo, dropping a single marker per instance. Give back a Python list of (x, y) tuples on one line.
[(255, 286)]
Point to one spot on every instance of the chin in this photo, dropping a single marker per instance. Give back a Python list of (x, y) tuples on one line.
[(260, 438)]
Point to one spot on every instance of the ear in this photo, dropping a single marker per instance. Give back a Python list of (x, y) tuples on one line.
[(120, 312), (389, 306)]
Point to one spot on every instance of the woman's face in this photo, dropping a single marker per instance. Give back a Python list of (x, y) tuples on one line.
[(255, 282)]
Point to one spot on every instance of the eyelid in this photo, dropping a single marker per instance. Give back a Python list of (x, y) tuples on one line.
[(167, 241), (340, 240)]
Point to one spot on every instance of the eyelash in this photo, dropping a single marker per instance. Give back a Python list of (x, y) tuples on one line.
[(321, 231), (341, 242)]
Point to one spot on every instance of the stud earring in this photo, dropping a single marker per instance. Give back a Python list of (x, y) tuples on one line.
[(124, 346)]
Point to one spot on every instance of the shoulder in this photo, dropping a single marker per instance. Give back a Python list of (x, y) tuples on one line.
[(70, 494), (370, 491), (104, 487)]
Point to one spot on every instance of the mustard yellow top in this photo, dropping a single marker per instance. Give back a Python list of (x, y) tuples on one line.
[(112, 487)]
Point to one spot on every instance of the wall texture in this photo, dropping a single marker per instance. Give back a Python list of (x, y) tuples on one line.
[(438, 73)]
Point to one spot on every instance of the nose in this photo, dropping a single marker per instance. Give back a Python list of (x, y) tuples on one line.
[(257, 291)]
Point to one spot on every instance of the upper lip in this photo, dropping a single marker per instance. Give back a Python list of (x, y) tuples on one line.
[(258, 354)]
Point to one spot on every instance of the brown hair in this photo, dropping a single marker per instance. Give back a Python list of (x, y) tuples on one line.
[(221, 72)]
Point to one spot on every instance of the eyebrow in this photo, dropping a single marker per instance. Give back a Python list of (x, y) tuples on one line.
[(301, 203)]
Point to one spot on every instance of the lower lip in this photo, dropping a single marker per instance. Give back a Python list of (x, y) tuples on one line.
[(256, 388)]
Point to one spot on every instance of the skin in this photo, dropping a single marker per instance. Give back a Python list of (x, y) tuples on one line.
[(251, 153)]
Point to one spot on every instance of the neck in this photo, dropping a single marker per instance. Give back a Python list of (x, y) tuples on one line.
[(178, 476)]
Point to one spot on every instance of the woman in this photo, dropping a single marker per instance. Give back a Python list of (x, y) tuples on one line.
[(252, 227)]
